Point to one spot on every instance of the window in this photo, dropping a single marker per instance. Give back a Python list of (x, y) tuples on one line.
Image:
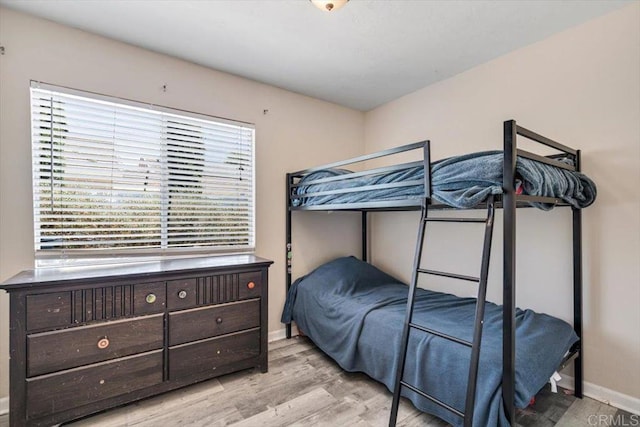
[(117, 177)]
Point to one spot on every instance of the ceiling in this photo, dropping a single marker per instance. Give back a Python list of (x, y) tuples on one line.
[(361, 56)]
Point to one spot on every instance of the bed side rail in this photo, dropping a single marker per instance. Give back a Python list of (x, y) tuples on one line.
[(371, 156), (293, 178), (553, 159)]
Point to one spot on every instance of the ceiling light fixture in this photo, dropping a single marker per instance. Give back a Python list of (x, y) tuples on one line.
[(329, 6)]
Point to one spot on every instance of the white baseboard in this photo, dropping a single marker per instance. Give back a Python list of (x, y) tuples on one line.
[(4, 405), (604, 395), (282, 334)]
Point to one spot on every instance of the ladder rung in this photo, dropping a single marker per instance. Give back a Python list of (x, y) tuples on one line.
[(456, 220), (451, 275), (441, 335), (431, 398)]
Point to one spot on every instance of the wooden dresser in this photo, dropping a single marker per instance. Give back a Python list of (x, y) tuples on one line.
[(87, 339)]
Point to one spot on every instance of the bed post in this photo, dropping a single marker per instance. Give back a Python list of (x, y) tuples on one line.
[(577, 290), (509, 271), (426, 156), (365, 241), (288, 253)]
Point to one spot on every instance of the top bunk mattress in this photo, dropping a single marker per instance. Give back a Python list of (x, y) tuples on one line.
[(461, 182)]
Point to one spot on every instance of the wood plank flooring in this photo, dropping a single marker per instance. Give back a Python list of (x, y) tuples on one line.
[(304, 387)]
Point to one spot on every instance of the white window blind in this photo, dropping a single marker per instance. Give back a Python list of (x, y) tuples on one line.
[(113, 176)]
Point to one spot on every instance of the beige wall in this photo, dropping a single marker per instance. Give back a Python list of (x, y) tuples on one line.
[(297, 132), (581, 87)]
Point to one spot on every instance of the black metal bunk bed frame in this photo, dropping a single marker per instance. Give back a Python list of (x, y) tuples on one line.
[(509, 201)]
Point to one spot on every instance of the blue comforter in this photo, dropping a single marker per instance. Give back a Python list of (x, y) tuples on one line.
[(461, 181), (355, 313)]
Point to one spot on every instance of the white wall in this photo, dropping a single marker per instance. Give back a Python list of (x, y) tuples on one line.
[(580, 87), (297, 132)]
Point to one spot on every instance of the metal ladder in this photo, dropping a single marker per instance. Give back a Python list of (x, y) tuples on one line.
[(467, 415)]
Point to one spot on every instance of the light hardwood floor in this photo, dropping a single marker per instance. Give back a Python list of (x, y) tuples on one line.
[(304, 387)]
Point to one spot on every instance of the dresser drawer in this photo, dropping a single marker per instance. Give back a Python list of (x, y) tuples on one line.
[(149, 298), (48, 310), (68, 348), (73, 388), (215, 289), (250, 285), (60, 309), (202, 358), (206, 322), (182, 293)]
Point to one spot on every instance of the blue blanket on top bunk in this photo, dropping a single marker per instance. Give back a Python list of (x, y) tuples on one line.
[(461, 181), (355, 313)]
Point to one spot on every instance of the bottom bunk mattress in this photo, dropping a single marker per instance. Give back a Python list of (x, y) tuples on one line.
[(355, 313)]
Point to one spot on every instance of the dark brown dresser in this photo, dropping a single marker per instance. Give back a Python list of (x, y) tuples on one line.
[(84, 339)]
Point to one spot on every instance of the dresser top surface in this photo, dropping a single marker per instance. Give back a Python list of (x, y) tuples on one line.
[(45, 276)]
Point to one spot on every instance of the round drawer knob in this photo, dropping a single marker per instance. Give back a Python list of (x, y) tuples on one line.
[(103, 343), (251, 285), (151, 298), (219, 320), (182, 294)]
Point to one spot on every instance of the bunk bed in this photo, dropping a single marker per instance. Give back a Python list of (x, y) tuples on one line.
[(352, 310)]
